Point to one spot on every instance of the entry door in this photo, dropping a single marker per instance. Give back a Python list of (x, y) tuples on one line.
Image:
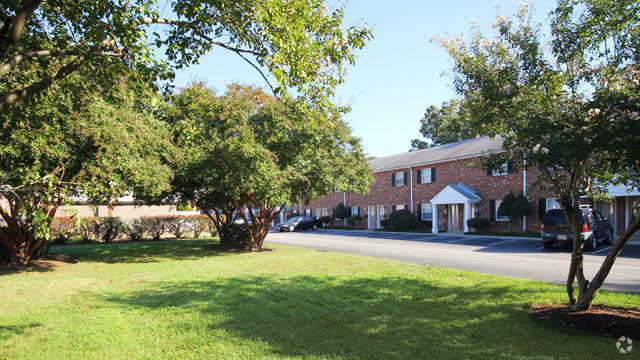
[(381, 213), (371, 217), (454, 217)]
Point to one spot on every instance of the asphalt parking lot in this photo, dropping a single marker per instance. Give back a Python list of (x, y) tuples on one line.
[(521, 257)]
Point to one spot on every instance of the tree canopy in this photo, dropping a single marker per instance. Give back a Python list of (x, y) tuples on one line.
[(96, 146), (567, 110), (245, 154), (300, 43), (445, 124)]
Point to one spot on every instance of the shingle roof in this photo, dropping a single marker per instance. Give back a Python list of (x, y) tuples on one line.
[(468, 192), (454, 151)]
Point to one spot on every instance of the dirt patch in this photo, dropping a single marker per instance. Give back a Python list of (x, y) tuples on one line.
[(223, 249), (600, 320)]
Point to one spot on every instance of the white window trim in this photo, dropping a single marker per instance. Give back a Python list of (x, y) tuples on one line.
[(500, 218), (547, 203), (503, 170), (422, 212), (426, 180), (397, 184), (399, 207)]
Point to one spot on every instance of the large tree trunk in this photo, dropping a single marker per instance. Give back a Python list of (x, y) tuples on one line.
[(570, 206)]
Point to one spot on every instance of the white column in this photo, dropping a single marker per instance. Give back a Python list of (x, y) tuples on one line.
[(467, 215), (524, 192), (434, 221)]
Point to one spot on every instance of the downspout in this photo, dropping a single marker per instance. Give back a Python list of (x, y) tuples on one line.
[(411, 187), (524, 192), (344, 202)]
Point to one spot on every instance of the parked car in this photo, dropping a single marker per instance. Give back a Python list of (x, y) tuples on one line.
[(298, 223), (593, 226)]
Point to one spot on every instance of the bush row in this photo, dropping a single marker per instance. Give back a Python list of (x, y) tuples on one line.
[(108, 229)]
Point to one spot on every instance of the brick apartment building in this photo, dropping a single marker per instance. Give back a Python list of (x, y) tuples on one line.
[(444, 186)]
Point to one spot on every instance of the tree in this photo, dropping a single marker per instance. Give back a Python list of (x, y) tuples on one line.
[(443, 125), (301, 43), (521, 206), (245, 154), (99, 146), (506, 206), (341, 212), (548, 106)]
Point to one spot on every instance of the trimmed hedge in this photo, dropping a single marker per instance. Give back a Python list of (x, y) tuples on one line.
[(401, 220)]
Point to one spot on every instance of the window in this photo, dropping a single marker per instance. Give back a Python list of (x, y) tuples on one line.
[(307, 212), (399, 207), (552, 203), (399, 179), (354, 211), (500, 218), (425, 176), (427, 211), (320, 212), (502, 170)]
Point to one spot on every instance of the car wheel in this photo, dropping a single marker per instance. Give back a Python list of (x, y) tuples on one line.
[(593, 243), (291, 228), (548, 245)]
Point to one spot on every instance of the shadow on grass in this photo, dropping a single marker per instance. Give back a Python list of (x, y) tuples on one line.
[(140, 252), (7, 332), (361, 318)]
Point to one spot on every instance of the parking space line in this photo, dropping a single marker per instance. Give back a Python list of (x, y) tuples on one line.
[(601, 250), (541, 247), (503, 242)]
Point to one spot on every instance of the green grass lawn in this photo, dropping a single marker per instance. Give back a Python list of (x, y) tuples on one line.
[(182, 300)]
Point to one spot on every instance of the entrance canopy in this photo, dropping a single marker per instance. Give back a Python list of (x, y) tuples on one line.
[(454, 194)]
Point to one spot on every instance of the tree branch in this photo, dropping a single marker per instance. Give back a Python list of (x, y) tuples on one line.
[(31, 90), (15, 30), (18, 58)]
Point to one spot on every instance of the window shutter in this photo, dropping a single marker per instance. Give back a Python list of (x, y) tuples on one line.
[(433, 175), (350, 210), (510, 166), (489, 171), (359, 211), (420, 212), (419, 177), (405, 179), (492, 209), (406, 207), (393, 208), (393, 179), (542, 208)]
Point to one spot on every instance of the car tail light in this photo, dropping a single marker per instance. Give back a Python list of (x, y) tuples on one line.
[(585, 228)]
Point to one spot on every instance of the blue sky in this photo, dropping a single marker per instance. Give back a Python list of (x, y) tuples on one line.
[(397, 75)]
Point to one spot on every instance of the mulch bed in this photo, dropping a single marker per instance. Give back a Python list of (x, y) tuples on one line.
[(600, 320)]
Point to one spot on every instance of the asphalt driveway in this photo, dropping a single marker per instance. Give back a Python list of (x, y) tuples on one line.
[(524, 258)]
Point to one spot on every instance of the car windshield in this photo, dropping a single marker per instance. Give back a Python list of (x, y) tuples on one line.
[(293, 220)]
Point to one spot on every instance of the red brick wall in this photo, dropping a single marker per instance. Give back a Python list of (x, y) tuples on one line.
[(462, 171)]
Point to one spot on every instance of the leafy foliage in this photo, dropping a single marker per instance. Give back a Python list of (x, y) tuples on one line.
[(569, 111), (401, 220), (340, 212), (110, 228), (135, 229), (478, 223), (246, 150), (443, 125)]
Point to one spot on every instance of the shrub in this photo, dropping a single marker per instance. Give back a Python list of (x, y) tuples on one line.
[(292, 215), (354, 220), (325, 219), (88, 228), (401, 220), (384, 223), (478, 223), (4, 252), (198, 224), (340, 212), (155, 226), (110, 228), (234, 236), (135, 230), (62, 229), (211, 227), (177, 226)]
